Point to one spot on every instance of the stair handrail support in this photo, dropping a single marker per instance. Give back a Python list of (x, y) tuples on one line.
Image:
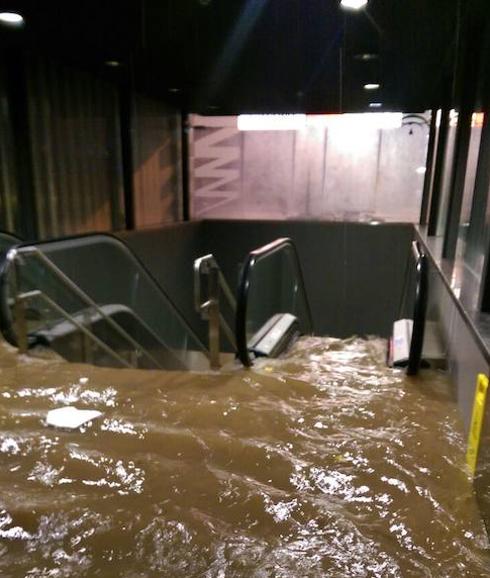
[(420, 309), (209, 310)]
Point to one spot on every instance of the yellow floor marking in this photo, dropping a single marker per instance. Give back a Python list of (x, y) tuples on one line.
[(476, 421)]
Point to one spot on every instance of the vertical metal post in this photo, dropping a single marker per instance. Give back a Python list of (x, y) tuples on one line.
[(185, 151), (438, 173), (86, 345), (19, 313), (213, 315), (475, 244), (468, 79), (127, 113), (431, 146), (21, 324)]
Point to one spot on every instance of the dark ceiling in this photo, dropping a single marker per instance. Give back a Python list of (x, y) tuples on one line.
[(230, 56)]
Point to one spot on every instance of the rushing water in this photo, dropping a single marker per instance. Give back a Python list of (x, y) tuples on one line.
[(325, 463)]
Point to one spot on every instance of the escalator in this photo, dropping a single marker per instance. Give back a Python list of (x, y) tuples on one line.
[(90, 299), (272, 304), (271, 308)]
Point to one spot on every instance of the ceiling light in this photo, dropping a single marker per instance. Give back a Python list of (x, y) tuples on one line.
[(11, 18), (174, 90), (271, 121), (353, 4), (371, 86), (112, 63), (375, 104), (365, 56), (356, 121), (420, 170)]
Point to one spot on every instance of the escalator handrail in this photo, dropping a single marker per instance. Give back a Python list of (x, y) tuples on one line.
[(243, 289), (5, 327), (6, 324), (141, 265), (420, 308), (15, 238)]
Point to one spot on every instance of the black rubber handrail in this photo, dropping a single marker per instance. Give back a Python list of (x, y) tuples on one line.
[(419, 310), (6, 324), (243, 289), (12, 236)]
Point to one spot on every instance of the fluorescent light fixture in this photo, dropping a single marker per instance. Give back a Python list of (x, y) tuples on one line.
[(271, 121), (11, 18), (375, 104), (420, 170), (356, 121), (353, 4), (371, 86), (112, 63)]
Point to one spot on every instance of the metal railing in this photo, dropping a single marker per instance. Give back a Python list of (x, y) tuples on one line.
[(253, 258), (21, 323), (420, 308), (210, 309), (20, 337)]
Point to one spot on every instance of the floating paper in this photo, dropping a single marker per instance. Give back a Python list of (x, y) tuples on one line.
[(70, 417)]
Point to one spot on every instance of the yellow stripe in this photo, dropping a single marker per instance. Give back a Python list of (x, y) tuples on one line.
[(476, 421)]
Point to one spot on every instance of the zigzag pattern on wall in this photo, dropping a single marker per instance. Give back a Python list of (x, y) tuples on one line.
[(215, 183)]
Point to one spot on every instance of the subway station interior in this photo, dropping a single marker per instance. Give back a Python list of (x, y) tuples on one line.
[(244, 288)]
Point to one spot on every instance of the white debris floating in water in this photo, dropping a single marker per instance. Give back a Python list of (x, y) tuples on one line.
[(70, 417)]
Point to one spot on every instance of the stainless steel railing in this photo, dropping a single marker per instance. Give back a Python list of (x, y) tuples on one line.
[(420, 308), (21, 322), (210, 308), (15, 255)]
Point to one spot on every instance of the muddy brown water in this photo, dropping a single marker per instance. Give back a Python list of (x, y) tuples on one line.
[(325, 463)]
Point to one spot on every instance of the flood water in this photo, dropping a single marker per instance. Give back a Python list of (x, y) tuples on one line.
[(325, 463)]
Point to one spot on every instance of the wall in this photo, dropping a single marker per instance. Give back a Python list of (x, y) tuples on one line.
[(157, 169), (335, 167), (468, 353), (81, 152), (169, 252), (74, 140), (8, 184), (353, 272), (465, 355)]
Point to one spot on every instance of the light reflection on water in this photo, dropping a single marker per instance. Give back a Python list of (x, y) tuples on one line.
[(325, 463)]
